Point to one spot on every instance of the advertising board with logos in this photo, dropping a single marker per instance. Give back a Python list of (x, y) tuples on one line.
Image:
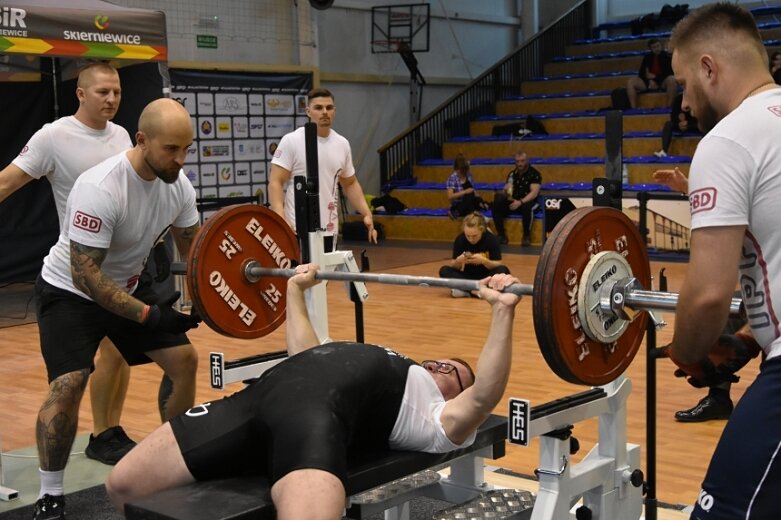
[(238, 120)]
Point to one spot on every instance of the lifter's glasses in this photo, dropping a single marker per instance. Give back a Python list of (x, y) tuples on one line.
[(443, 367)]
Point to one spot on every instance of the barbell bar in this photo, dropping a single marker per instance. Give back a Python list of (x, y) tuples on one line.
[(588, 290), (638, 299)]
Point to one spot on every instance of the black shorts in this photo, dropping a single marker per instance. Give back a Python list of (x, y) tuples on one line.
[(71, 328), (258, 431)]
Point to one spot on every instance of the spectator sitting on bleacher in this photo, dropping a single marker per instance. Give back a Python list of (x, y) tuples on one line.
[(681, 123), (476, 254), (461, 191), (775, 66), (656, 73), (519, 196)]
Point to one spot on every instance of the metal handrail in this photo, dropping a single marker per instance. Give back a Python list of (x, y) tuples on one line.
[(424, 140)]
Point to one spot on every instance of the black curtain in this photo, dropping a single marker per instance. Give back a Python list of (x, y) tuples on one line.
[(28, 218)]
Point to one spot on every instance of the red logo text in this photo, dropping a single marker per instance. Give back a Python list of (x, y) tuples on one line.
[(87, 222), (702, 200)]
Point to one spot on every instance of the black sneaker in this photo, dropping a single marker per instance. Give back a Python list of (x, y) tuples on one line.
[(109, 446), (503, 239), (708, 409), (526, 242), (49, 507)]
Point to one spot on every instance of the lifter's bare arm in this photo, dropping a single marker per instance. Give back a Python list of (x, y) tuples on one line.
[(276, 184), (183, 238), (11, 179), (90, 279), (464, 413), (300, 334)]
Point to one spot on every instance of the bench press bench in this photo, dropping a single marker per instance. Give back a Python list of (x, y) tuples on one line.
[(249, 496)]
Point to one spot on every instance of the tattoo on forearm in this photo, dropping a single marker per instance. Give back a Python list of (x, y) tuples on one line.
[(58, 419), (90, 279)]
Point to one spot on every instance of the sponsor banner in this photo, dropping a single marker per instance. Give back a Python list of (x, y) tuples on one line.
[(224, 127), (256, 104), (206, 127), (279, 105), (192, 152), (258, 172), (259, 191), (235, 191), (187, 100), (248, 149), (240, 127), (107, 31), (216, 151), (208, 175), (206, 103), (279, 126), (193, 174), (257, 127), (225, 174), (241, 172), (231, 104)]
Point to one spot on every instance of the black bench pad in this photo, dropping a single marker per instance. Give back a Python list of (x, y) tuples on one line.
[(249, 497)]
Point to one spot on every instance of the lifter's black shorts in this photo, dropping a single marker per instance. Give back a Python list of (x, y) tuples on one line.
[(71, 328), (259, 431)]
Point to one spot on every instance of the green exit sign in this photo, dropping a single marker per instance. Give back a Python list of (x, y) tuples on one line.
[(206, 41)]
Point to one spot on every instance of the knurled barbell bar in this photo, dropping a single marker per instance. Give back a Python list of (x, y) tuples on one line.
[(587, 294)]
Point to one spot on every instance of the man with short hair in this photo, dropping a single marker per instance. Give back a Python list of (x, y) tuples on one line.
[(91, 287), (518, 197), (734, 188), (61, 151), (299, 422), (335, 161), (655, 73)]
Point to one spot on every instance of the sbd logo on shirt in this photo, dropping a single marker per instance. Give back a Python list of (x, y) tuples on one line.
[(86, 222), (702, 200)]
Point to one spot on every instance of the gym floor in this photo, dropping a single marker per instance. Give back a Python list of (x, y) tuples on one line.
[(421, 323)]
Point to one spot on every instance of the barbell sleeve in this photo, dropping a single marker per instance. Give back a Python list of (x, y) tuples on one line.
[(664, 301)]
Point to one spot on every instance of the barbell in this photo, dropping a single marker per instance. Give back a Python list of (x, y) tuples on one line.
[(587, 294)]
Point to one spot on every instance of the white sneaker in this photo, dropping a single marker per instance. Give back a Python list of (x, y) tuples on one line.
[(661, 154), (458, 293)]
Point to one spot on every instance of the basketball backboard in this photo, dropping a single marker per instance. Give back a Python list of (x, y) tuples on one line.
[(400, 26)]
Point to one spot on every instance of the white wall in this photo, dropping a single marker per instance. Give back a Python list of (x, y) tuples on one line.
[(372, 90)]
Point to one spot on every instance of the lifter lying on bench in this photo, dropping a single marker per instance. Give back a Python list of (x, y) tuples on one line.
[(300, 420)]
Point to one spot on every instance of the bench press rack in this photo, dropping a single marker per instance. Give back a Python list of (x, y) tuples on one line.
[(607, 480)]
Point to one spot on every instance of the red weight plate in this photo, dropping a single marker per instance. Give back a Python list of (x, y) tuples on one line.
[(576, 238), (221, 294)]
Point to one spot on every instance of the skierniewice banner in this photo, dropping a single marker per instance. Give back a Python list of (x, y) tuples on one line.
[(85, 28)]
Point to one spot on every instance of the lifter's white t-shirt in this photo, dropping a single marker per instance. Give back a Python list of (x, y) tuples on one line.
[(418, 426), (65, 149), (334, 159), (735, 179), (111, 207)]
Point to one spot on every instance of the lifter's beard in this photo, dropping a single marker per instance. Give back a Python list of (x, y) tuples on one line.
[(162, 174)]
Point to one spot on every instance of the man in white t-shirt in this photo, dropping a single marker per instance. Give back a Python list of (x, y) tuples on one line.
[(302, 419), (335, 161), (61, 151), (734, 188), (90, 286)]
